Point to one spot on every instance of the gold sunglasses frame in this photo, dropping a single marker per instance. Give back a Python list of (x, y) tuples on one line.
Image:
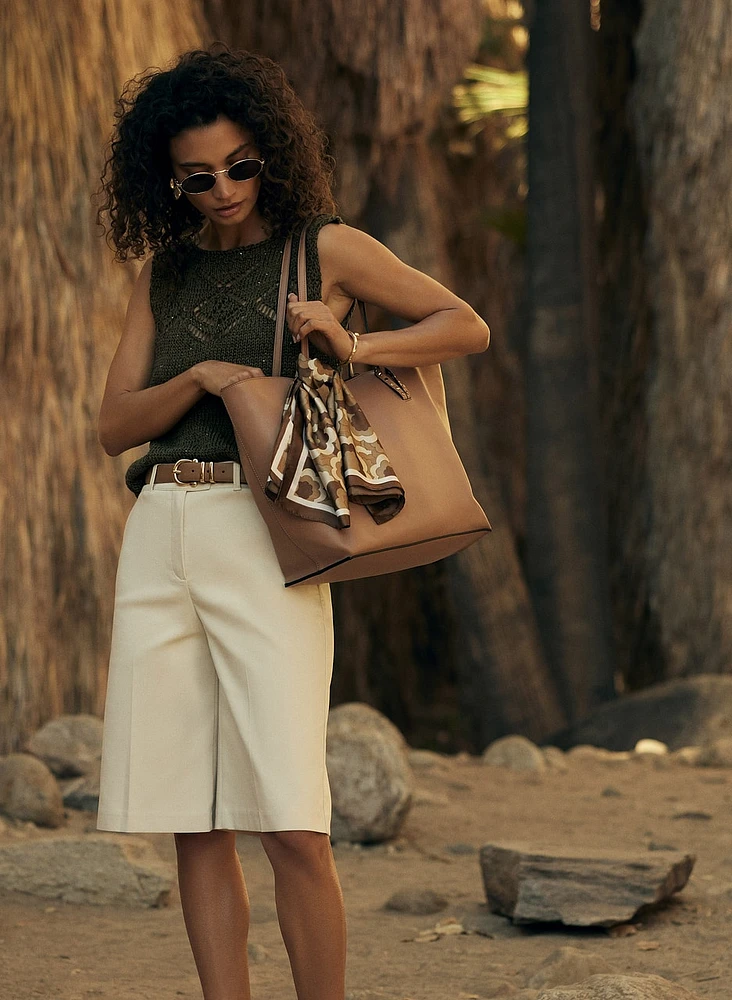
[(176, 185)]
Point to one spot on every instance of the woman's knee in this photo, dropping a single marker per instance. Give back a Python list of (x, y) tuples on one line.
[(296, 846)]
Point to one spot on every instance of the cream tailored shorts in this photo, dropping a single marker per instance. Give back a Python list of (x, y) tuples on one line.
[(219, 677)]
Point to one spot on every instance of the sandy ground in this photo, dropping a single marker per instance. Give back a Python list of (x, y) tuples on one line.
[(52, 949)]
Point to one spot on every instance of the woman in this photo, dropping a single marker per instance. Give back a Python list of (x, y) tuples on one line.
[(219, 676)]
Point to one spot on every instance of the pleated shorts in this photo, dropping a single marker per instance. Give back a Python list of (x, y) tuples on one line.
[(219, 677)]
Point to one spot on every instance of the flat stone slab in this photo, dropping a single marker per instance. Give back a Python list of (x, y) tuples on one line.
[(635, 987), (93, 869), (579, 889)]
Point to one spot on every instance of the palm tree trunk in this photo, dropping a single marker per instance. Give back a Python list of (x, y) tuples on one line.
[(566, 529), (669, 353), (62, 500), (379, 77)]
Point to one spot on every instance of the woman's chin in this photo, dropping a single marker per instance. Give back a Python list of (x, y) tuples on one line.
[(236, 214)]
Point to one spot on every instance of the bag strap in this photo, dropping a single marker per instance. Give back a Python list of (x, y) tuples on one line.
[(302, 292), (363, 314), (281, 307), (302, 283)]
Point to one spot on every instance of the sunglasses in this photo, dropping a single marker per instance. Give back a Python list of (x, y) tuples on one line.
[(204, 180)]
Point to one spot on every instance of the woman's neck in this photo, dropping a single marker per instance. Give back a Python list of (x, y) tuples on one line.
[(213, 237)]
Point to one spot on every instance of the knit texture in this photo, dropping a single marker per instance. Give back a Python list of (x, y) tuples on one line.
[(224, 310)]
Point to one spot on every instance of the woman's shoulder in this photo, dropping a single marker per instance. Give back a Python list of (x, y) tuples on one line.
[(319, 229), (316, 222)]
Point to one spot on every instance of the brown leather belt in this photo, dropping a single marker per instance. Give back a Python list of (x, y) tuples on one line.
[(191, 471)]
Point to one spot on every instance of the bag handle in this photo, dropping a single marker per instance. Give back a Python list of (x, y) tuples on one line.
[(302, 286), (282, 296), (281, 306)]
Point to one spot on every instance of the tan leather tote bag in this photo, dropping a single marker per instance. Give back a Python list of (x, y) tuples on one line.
[(406, 408)]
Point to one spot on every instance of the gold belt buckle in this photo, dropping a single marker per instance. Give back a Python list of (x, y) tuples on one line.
[(202, 477)]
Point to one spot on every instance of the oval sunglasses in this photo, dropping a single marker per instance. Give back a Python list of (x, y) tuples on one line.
[(204, 180)]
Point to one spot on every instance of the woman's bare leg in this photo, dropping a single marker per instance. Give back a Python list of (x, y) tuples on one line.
[(216, 911), (310, 911)]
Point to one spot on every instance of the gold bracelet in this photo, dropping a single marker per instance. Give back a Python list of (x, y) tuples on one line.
[(355, 335)]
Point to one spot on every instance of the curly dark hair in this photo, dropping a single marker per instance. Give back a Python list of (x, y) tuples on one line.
[(251, 90)]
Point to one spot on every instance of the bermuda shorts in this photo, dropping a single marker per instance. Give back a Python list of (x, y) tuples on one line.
[(219, 677)]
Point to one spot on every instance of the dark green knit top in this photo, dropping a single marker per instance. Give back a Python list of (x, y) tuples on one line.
[(224, 310)]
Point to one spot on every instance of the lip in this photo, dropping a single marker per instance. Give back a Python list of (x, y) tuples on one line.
[(228, 209)]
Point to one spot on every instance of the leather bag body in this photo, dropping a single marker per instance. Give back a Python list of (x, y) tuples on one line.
[(440, 515)]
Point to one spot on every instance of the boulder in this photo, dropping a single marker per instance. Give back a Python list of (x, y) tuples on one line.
[(83, 792), (688, 711), (686, 755), (69, 744), (634, 987), (29, 791), (566, 966), (590, 888), (371, 780), (95, 868), (516, 753), (653, 747), (356, 716), (717, 753), (600, 755)]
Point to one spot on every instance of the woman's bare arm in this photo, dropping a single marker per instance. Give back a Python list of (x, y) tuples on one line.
[(130, 413), (444, 326)]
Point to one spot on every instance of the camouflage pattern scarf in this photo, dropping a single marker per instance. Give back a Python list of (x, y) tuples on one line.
[(327, 455)]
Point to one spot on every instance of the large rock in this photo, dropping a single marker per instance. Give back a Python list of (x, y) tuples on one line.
[(371, 780), (357, 716), (635, 987), (68, 744), (517, 753), (83, 792), (717, 753), (578, 889), (29, 791), (95, 868), (568, 965), (598, 755), (690, 711)]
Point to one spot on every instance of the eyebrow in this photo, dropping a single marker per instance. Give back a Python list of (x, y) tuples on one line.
[(244, 145)]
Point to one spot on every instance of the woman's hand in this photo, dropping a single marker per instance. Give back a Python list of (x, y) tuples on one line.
[(213, 376), (316, 321)]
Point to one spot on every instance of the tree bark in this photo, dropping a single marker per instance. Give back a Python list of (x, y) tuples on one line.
[(379, 79), (504, 685), (62, 509), (566, 528), (681, 110)]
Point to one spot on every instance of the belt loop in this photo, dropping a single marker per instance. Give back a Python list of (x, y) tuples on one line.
[(152, 476), (237, 475)]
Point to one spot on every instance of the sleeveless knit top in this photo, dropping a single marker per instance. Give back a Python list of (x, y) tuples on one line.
[(224, 310)]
